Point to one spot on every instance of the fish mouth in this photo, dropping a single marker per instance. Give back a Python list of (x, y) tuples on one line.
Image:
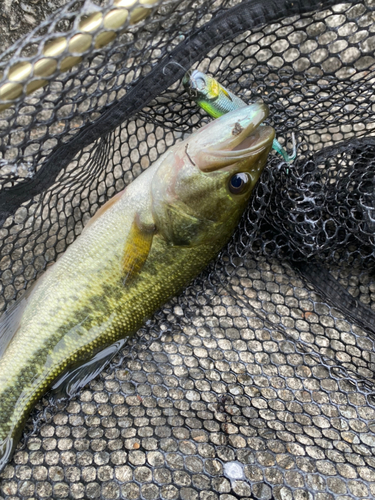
[(255, 143), (235, 136), (259, 139)]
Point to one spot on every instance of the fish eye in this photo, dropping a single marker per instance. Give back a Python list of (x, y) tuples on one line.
[(238, 183), (200, 83)]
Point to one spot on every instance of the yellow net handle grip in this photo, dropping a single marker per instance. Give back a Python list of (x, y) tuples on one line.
[(62, 53)]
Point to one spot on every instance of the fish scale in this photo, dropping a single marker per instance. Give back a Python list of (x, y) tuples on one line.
[(130, 313), (141, 248)]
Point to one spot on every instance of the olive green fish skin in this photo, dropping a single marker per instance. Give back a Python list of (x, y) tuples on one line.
[(83, 306), (86, 301)]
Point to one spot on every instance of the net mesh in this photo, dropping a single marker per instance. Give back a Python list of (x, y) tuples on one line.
[(253, 383)]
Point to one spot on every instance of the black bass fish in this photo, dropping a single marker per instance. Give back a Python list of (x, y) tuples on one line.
[(216, 100), (141, 248)]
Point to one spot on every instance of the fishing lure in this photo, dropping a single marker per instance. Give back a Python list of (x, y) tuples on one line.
[(216, 100), (141, 248)]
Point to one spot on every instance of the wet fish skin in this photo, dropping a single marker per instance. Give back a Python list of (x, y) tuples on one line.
[(139, 250)]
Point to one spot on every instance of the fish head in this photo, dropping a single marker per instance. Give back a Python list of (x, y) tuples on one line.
[(203, 183)]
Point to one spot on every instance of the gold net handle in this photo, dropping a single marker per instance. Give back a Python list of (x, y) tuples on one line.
[(96, 31)]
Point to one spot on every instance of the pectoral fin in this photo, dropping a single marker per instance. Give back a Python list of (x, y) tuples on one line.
[(74, 379), (137, 248), (7, 447)]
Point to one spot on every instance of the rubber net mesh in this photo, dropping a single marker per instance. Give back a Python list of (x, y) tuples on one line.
[(253, 383)]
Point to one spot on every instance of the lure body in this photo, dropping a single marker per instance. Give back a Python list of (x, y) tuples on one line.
[(142, 247), (216, 100)]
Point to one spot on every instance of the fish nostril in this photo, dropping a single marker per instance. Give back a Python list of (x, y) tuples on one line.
[(237, 129)]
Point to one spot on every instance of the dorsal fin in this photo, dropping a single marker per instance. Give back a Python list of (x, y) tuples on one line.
[(11, 318)]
